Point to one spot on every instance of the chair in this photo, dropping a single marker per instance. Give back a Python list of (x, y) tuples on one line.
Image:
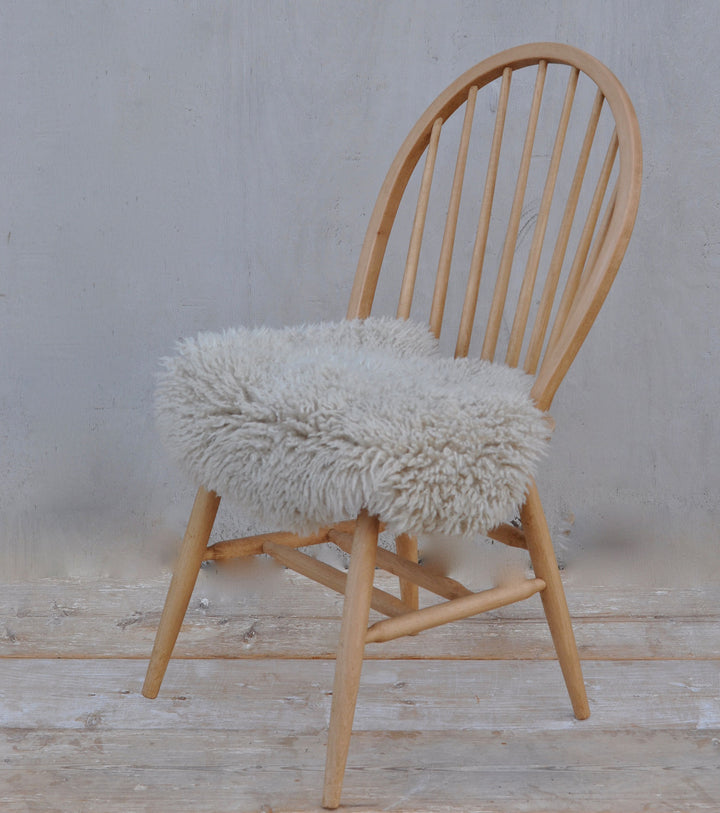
[(595, 214)]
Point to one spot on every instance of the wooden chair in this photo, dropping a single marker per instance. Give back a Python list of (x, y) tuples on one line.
[(595, 214)]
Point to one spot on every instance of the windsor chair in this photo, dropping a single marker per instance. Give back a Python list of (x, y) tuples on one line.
[(595, 214)]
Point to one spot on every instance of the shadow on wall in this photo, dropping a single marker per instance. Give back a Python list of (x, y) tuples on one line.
[(611, 546)]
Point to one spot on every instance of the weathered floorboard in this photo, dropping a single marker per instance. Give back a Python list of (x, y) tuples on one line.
[(404, 695), (288, 593), (430, 736), (103, 620), (491, 730), (436, 772)]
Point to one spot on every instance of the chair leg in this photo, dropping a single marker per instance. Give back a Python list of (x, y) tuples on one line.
[(356, 611), (183, 581), (545, 566), (407, 547)]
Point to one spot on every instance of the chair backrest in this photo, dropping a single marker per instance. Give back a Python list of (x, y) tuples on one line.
[(600, 182)]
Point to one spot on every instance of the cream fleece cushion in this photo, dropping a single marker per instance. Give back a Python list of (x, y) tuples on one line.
[(305, 426)]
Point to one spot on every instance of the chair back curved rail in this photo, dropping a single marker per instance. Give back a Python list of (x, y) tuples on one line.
[(595, 216)]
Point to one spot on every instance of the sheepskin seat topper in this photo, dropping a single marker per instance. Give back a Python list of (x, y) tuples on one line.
[(305, 426)]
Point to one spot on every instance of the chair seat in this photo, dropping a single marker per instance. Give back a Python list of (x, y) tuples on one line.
[(305, 426)]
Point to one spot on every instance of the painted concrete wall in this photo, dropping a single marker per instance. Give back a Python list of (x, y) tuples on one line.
[(172, 167)]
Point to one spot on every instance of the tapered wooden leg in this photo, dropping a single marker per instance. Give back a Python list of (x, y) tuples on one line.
[(181, 587), (356, 611), (407, 547), (545, 566)]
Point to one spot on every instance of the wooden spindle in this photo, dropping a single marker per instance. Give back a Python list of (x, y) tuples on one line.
[(476, 265), (348, 662), (501, 285), (448, 242), (598, 240), (253, 545), (537, 338), (406, 546), (428, 617), (411, 571), (517, 333), (183, 581), (411, 264), (509, 535), (545, 566), (331, 577), (581, 254)]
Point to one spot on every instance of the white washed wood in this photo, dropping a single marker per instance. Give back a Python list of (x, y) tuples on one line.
[(276, 636), (499, 771), (105, 619), (293, 696), (62, 598)]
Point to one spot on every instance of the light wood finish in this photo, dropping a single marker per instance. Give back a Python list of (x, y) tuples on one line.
[(413, 258), (239, 736), (597, 280), (408, 571), (598, 239), (448, 243), (553, 275), (356, 611), (551, 366), (583, 249), (506, 261), (253, 545), (438, 614), (508, 535), (528, 284), (331, 577), (467, 318), (183, 581), (407, 549), (545, 566), (596, 259)]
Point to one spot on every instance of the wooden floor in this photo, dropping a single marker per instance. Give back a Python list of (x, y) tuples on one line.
[(470, 717)]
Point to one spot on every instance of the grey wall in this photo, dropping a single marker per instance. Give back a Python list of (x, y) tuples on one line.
[(172, 167)]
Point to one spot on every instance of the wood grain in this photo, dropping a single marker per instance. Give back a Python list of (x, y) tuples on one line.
[(453, 610), (243, 592), (293, 696), (103, 619), (430, 735), (120, 770)]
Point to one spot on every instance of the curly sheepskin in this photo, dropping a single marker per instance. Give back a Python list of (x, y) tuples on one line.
[(305, 426)]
